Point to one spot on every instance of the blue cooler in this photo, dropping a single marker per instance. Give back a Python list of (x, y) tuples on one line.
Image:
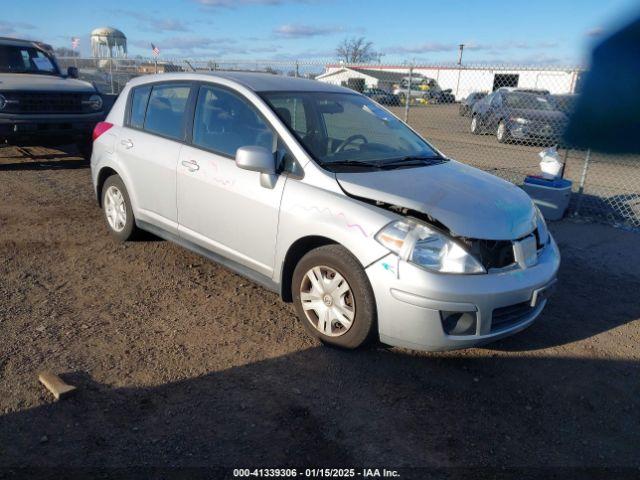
[(551, 196)]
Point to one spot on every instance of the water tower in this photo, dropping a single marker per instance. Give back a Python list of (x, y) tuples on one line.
[(107, 42)]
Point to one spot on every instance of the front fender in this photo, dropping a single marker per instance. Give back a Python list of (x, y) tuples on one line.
[(307, 210)]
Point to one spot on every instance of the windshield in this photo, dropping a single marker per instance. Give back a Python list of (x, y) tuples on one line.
[(14, 59), (528, 101), (336, 128)]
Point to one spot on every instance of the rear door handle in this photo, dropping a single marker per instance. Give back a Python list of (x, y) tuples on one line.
[(191, 165), (127, 143)]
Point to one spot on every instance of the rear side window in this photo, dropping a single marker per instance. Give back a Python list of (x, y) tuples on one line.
[(139, 99), (165, 111), (225, 122)]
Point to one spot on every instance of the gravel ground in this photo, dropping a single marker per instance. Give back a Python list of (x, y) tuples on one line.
[(179, 362)]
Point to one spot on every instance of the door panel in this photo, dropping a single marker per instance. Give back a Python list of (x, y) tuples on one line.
[(151, 165), (220, 206), (223, 208)]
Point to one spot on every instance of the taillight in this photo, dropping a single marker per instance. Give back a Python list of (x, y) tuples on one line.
[(100, 128)]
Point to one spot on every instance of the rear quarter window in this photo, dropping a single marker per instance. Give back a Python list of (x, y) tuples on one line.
[(139, 100)]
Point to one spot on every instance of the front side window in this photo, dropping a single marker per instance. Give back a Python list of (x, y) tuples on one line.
[(224, 122), (165, 111), (344, 127)]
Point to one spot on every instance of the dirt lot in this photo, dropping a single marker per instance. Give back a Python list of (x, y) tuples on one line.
[(182, 363)]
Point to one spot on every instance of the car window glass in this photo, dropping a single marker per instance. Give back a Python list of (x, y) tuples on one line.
[(225, 122), (165, 112), (292, 112), (139, 99)]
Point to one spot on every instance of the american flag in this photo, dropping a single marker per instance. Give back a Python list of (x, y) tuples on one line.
[(155, 51), (75, 42)]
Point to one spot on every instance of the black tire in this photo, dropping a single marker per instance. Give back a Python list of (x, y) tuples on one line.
[(129, 230), (339, 259), (505, 137), (85, 148)]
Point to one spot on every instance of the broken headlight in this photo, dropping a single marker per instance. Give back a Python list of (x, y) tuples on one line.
[(428, 247), (541, 225)]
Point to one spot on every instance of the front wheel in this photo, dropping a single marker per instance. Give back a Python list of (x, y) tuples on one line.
[(502, 133), (475, 125), (333, 297)]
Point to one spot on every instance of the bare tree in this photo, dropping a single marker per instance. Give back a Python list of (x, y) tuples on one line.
[(355, 50)]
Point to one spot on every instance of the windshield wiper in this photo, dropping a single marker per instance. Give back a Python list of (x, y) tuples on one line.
[(411, 160), (353, 163)]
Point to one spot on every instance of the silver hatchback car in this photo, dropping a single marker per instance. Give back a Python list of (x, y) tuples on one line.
[(322, 195)]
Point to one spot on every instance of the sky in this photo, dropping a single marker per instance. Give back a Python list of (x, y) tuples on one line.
[(550, 32)]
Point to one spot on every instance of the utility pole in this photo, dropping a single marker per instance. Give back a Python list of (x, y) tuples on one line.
[(461, 47)]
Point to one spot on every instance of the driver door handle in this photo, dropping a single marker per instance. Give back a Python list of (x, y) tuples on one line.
[(191, 165), (127, 143)]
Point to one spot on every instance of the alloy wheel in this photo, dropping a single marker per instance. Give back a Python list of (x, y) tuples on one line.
[(501, 131), (115, 208), (474, 124)]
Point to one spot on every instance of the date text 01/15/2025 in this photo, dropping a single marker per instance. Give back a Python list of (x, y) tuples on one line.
[(316, 473)]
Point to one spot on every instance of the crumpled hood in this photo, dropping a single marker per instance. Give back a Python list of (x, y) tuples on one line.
[(42, 83), (468, 201)]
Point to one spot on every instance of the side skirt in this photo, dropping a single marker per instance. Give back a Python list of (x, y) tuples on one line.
[(232, 265)]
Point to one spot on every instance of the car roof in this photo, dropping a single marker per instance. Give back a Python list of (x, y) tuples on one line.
[(16, 42), (256, 81)]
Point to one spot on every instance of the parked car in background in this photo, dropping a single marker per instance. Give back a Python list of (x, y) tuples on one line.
[(467, 104), (41, 105), (316, 192), (518, 115), (435, 95), (381, 96), (415, 88)]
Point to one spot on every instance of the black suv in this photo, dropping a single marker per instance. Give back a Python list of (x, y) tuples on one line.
[(38, 104)]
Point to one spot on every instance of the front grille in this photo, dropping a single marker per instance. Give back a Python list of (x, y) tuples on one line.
[(494, 253), (26, 102), (505, 317)]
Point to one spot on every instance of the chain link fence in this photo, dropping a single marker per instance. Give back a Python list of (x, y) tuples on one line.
[(496, 118)]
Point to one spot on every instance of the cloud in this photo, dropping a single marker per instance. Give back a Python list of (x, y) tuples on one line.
[(433, 47), (201, 47), (154, 22), (239, 3), (595, 32), (305, 31), (14, 28), (421, 48)]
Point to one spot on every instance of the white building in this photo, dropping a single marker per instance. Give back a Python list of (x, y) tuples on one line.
[(461, 80)]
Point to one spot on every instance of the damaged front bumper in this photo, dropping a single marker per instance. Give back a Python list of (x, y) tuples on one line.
[(425, 310)]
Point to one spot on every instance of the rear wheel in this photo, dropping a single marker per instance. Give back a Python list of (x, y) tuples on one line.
[(333, 297), (117, 209)]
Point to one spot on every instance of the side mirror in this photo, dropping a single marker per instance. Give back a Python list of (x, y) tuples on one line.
[(72, 72), (261, 160)]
